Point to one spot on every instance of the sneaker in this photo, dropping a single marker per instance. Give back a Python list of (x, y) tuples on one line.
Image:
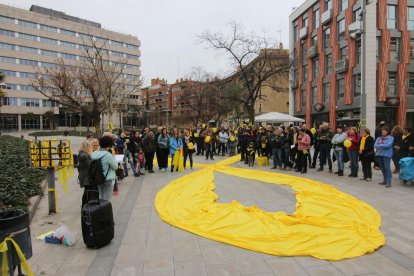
[(273, 168), (319, 170), (377, 168), (336, 172), (368, 180), (388, 185), (163, 170), (382, 183)]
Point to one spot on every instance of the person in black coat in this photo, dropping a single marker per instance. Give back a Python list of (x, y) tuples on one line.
[(405, 147), (366, 153)]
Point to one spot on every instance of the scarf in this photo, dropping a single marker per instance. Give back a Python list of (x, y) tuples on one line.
[(362, 146), (405, 136)]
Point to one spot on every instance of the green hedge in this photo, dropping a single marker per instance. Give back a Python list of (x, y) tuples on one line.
[(18, 181)]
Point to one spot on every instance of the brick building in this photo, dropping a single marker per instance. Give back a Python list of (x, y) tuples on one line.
[(354, 62)]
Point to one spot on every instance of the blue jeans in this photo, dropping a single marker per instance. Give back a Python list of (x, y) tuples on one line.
[(105, 190), (385, 165), (339, 154), (277, 157), (353, 159), (129, 158)]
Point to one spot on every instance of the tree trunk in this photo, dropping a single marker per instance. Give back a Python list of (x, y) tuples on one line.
[(250, 112)]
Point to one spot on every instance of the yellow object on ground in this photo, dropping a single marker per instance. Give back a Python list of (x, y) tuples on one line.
[(327, 224), (262, 161), (5, 263)]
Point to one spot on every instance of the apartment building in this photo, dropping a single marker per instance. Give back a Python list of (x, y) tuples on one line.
[(353, 62), (37, 38), (158, 102)]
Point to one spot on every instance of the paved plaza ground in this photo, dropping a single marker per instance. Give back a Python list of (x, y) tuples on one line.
[(145, 245)]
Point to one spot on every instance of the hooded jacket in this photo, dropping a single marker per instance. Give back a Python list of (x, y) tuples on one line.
[(108, 163)]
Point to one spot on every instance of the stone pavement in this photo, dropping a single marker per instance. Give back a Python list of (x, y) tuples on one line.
[(145, 245)]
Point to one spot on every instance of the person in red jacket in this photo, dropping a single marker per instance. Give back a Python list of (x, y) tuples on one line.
[(304, 142), (353, 151)]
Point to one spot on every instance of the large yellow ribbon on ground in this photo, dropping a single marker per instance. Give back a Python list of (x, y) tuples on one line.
[(4, 248), (327, 224)]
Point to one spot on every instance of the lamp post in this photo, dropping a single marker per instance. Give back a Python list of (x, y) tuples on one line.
[(66, 120)]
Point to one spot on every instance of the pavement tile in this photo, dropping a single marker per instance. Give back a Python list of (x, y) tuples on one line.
[(223, 270), (353, 267), (132, 269), (130, 253), (386, 267), (215, 254), (306, 261), (195, 266), (286, 266), (160, 264), (324, 270), (186, 249)]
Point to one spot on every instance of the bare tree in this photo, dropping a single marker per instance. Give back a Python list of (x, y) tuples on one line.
[(110, 75), (2, 94), (256, 60)]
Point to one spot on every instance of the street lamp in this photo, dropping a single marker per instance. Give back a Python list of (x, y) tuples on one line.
[(66, 120)]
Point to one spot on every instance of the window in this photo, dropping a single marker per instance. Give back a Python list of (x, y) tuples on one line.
[(5, 19), (343, 5), (7, 46), (295, 33), (49, 40), (117, 43), (314, 41), (27, 62), (305, 73), (340, 88), (327, 38), (29, 102), (10, 86), (9, 73), (326, 92), (328, 5), (304, 53), (29, 50), (86, 36), (305, 22), (135, 47), (410, 18), (117, 54), (7, 33), (315, 69), (410, 83), (48, 28), (343, 53), (49, 53), (132, 67), (101, 39), (392, 84), (9, 101), (341, 29), (391, 17), (68, 56), (49, 65), (303, 97), (314, 96), (315, 19), (68, 44), (27, 24), (67, 32), (48, 103), (28, 37), (28, 75), (355, 15), (357, 85), (26, 88), (395, 49), (132, 56), (358, 52), (8, 60), (328, 63)]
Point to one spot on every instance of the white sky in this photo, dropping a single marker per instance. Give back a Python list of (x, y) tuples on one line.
[(168, 29)]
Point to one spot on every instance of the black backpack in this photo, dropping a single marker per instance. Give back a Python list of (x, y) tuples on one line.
[(96, 173)]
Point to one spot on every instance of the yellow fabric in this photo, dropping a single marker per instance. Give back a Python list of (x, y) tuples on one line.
[(262, 161), (111, 127), (196, 135), (5, 264), (190, 146), (362, 146), (347, 143), (178, 161), (207, 139), (232, 138), (313, 130), (327, 224), (214, 129)]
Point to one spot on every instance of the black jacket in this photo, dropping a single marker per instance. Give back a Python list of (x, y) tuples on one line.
[(368, 151), (404, 145)]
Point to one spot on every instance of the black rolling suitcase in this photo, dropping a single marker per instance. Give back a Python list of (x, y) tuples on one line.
[(97, 223)]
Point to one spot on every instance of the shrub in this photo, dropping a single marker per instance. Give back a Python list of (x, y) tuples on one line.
[(18, 180)]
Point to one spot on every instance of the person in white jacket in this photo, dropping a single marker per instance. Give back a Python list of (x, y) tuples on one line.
[(223, 140), (338, 146)]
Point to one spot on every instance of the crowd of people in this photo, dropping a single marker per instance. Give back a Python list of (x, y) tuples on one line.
[(289, 147)]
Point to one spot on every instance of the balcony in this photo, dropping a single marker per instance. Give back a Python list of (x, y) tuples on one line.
[(355, 29), (326, 17), (313, 51), (303, 32), (341, 66)]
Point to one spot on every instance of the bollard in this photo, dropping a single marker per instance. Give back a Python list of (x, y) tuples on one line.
[(51, 189)]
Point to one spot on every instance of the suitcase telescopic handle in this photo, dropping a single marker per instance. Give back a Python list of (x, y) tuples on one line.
[(92, 191)]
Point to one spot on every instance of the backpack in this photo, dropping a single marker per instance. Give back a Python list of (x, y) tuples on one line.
[(96, 173)]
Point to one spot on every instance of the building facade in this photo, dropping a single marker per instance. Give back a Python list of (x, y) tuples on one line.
[(37, 38), (353, 62), (158, 102)]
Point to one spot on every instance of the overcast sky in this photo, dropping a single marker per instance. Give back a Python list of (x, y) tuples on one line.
[(168, 29)]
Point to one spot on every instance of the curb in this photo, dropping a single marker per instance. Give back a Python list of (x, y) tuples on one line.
[(35, 201)]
